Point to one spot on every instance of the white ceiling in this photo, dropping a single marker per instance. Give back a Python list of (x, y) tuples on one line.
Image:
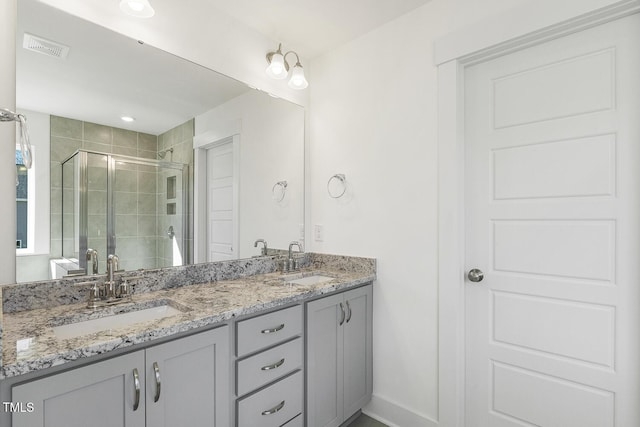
[(313, 27)]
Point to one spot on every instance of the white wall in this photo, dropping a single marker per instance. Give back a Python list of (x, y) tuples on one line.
[(7, 138), (373, 118), (271, 149)]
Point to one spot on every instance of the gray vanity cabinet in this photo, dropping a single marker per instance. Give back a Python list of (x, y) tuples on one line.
[(99, 395), (339, 356), (181, 383), (269, 369), (188, 381)]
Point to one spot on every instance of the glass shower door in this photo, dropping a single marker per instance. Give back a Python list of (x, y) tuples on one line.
[(132, 207), (97, 215), (84, 207), (148, 208), (70, 207)]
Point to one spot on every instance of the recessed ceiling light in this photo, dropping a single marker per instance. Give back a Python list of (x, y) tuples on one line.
[(128, 119), (137, 8)]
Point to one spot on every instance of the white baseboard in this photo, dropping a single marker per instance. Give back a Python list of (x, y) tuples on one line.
[(394, 415)]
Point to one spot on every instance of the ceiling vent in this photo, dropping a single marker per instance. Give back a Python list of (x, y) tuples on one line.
[(44, 46)]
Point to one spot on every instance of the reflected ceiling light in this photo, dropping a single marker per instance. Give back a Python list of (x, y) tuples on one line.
[(128, 119), (279, 68), (137, 8)]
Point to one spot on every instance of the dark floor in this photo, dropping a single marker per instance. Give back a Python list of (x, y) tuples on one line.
[(364, 421)]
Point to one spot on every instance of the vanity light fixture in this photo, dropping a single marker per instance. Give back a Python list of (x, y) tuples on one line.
[(137, 8), (279, 69)]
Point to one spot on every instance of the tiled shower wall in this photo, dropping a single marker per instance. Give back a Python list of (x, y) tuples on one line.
[(141, 239)]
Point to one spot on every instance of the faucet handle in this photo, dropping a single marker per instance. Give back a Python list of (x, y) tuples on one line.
[(94, 294), (124, 289)]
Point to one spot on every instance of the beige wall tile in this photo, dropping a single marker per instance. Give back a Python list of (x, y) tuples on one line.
[(97, 133), (67, 128)]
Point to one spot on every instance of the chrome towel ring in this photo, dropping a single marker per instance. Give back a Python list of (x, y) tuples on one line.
[(337, 185)]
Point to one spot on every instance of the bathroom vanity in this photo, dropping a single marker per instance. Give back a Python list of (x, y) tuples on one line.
[(184, 385), (254, 348)]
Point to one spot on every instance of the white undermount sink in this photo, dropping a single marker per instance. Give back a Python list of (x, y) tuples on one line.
[(310, 280), (115, 321)]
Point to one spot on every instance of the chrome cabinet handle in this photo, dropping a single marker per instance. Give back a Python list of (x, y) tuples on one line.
[(156, 371), (274, 409), (136, 383), (274, 366), (475, 275), (349, 313), (272, 330), (343, 314)]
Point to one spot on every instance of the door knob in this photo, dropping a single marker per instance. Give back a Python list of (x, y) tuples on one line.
[(475, 275)]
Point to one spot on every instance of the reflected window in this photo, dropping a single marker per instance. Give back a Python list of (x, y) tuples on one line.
[(24, 202)]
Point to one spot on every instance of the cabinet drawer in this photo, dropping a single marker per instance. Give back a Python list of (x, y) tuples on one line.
[(268, 329), (296, 422), (274, 405), (262, 368)]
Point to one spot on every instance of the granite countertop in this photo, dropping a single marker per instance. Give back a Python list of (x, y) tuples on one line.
[(29, 343)]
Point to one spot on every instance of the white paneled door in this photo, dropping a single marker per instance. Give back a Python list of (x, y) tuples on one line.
[(552, 202), (222, 203)]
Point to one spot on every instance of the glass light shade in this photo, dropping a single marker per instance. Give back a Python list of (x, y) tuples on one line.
[(277, 69), (137, 8), (298, 81)]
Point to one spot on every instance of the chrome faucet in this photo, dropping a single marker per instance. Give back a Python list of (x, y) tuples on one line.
[(263, 251), (292, 264), (112, 267), (92, 257), (110, 294)]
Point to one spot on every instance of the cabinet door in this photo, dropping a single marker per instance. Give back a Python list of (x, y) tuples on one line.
[(358, 350), (324, 362), (188, 381), (99, 395)]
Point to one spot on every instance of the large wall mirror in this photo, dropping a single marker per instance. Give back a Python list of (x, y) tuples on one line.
[(204, 167)]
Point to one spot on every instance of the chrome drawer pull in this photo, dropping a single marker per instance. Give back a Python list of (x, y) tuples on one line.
[(343, 314), (156, 371), (136, 383), (274, 409), (274, 366), (272, 330), (348, 315)]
